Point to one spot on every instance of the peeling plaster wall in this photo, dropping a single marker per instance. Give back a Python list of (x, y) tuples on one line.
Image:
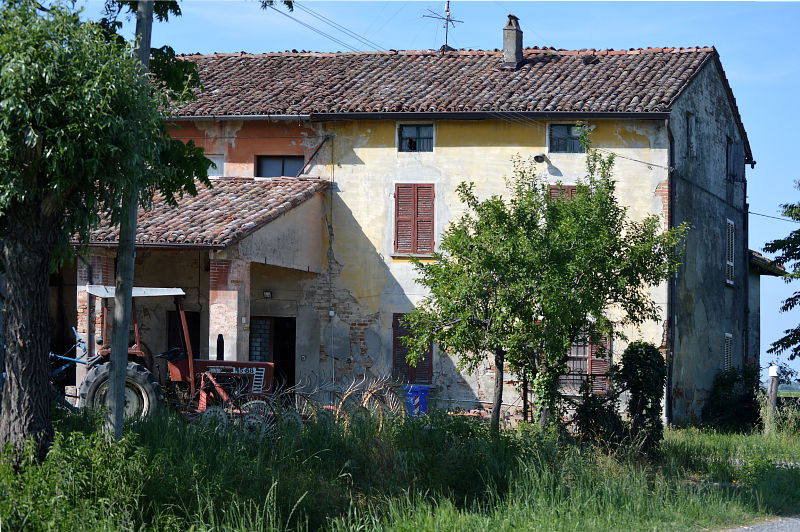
[(369, 284), (240, 142), (706, 308)]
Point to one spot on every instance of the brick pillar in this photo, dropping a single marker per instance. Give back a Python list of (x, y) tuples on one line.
[(229, 308), (90, 315)]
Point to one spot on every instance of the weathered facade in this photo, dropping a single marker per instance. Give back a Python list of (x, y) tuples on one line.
[(322, 283)]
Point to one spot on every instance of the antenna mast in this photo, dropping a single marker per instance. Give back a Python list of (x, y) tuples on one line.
[(448, 21)]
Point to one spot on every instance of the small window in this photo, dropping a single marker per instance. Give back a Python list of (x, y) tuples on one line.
[(730, 251), (727, 352), (218, 170), (413, 218), (279, 166), (690, 144), (734, 160), (416, 137), (562, 191), (565, 139), (422, 373)]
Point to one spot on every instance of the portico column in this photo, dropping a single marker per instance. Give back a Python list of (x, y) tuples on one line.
[(97, 269), (229, 307)]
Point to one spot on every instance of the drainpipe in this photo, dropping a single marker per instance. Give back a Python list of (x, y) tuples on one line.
[(672, 285)]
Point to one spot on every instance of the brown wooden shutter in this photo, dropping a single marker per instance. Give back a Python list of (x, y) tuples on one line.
[(404, 207), (599, 365), (401, 369), (424, 219)]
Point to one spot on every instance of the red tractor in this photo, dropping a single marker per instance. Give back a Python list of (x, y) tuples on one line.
[(194, 385)]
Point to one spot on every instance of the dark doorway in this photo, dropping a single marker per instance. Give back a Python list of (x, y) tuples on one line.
[(284, 345), (273, 340)]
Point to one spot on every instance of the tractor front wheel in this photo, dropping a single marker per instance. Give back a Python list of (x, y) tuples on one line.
[(143, 394)]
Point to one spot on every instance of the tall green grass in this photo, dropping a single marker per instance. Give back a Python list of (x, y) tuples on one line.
[(436, 473)]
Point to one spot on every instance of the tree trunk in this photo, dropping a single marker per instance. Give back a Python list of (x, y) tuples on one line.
[(497, 403), (126, 253), (26, 249)]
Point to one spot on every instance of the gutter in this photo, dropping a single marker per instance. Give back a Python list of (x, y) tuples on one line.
[(482, 115), (196, 118), (429, 115), (214, 247)]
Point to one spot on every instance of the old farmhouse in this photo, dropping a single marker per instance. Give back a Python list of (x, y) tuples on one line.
[(332, 169)]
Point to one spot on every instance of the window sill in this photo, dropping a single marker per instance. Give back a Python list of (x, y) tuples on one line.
[(407, 256), (730, 284)]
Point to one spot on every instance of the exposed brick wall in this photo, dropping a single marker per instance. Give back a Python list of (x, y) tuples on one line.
[(219, 274)]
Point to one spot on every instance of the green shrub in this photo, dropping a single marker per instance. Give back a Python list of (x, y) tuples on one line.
[(732, 405)]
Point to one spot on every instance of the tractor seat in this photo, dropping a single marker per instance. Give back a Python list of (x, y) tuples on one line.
[(173, 355)]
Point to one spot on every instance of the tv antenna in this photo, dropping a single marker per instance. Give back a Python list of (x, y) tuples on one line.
[(448, 21)]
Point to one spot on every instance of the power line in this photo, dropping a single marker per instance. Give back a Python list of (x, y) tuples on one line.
[(315, 30), (775, 217), (339, 27)]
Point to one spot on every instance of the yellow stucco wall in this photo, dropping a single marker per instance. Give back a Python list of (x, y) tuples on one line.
[(362, 159)]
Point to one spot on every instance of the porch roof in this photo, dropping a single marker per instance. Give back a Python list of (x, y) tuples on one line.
[(217, 217)]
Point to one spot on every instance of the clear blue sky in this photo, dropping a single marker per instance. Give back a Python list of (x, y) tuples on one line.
[(758, 44)]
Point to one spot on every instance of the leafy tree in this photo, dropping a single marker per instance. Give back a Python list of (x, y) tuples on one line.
[(79, 124), (523, 279), (788, 250)]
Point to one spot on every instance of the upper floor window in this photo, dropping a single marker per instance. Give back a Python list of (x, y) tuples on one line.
[(218, 170), (730, 250), (690, 140), (413, 212), (734, 160), (727, 352), (279, 165), (565, 139), (416, 137)]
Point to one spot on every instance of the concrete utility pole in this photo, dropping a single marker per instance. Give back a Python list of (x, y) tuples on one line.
[(772, 400), (126, 253)]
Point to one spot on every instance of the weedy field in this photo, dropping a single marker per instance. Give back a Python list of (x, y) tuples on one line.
[(436, 473)]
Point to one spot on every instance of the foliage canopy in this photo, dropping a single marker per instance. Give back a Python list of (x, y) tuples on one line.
[(530, 275), (788, 250)]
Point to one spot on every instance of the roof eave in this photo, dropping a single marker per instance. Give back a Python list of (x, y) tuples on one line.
[(485, 115)]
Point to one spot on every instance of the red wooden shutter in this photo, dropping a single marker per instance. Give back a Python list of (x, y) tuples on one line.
[(599, 364), (404, 218), (424, 219), (414, 227)]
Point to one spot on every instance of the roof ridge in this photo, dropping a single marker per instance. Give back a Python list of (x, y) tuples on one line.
[(463, 51)]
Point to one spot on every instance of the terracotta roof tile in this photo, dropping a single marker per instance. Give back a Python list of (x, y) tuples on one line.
[(231, 210), (641, 80)]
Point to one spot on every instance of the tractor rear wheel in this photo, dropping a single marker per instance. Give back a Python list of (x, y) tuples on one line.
[(143, 394)]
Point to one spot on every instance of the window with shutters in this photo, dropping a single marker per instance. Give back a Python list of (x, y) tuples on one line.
[(727, 352), (415, 137), (413, 222), (734, 156), (565, 139), (587, 361), (402, 371), (562, 191), (730, 251)]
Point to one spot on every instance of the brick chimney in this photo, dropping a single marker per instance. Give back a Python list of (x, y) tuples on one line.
[(512, 43)]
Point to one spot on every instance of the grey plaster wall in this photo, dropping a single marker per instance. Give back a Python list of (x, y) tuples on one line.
[(705, 306)]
